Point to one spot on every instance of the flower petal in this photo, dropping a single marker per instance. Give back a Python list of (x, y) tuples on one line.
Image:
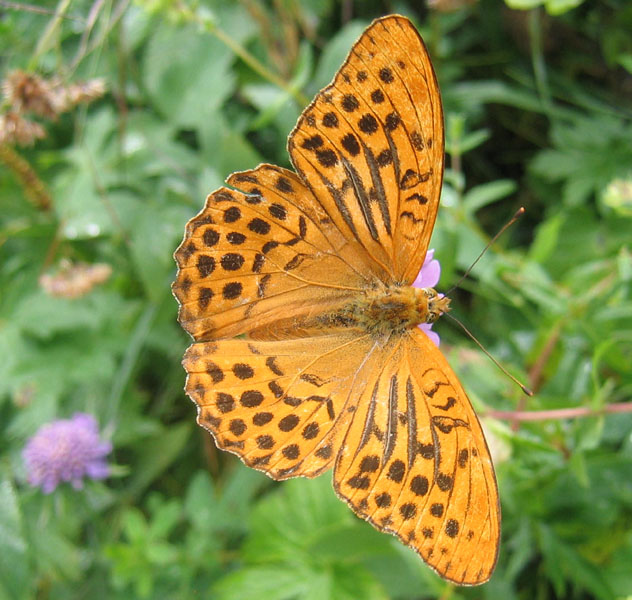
[(67, 450), (429, 273), (434, 336)]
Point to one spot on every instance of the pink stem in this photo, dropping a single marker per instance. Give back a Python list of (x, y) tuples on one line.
[(559, 413)]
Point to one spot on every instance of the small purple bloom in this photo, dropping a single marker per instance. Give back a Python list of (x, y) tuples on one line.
[(66, 450), (430, 272), (428, 277)]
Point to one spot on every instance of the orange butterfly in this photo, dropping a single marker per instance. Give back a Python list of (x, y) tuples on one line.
[(315, 268)]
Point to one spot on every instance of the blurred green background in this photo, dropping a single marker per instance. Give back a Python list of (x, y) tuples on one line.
[(538, 107)]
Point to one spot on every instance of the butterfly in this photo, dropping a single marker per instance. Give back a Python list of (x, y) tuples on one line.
[(296, 287)]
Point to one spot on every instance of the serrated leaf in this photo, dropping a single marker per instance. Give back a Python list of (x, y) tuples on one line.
[(271, 583), (284, 524), (348, 542)]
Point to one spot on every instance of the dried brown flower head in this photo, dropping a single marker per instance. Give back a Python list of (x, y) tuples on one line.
[(85, 92), (15, 129), (74, 280), (31, 93), (48, 98)]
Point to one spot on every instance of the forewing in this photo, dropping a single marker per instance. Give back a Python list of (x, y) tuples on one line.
[(251, 259), (415, 463), (370, 147)]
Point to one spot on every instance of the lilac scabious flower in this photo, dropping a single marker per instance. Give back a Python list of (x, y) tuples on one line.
[(66, 450), (429, 277)]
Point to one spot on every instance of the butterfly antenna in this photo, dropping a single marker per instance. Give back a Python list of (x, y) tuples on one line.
[(523, 387), (508, 224)]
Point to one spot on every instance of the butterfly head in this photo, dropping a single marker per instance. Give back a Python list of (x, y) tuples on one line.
[(431, 305)]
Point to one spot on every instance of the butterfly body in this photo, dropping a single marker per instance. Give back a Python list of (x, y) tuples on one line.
[(387, 310), (314, 269)]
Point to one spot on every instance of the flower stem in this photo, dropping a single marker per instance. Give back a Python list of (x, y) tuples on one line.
[(559, 413), (34, 189)]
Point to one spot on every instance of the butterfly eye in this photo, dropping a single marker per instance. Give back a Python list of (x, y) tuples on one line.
[(438, 305), (432, 317)]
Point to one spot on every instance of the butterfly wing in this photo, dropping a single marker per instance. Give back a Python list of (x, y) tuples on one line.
[(283, 407), (370, 148), (369, 151), (260, 261), (414, 462)]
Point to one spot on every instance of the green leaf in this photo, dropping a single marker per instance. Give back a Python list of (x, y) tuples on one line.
[(617, 570), (284, 524), (523, 4), (155, 236), (625, 60), (193, 84), (559, 7), (352, 582), (135, 525), (238, 155), (562, 561), (164, 518), (577, 465), (54, 554), (156, 454), (334, 54), (15, 573), (271, 583), (200, 501), (460, 143), (486, 193), (546, 239), (590, 152), (353, 541), (160, 553)]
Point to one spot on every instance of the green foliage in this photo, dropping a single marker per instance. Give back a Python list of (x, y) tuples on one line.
[(536, 98), (588, 153)]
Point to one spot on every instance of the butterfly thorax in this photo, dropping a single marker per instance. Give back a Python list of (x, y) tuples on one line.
[(385, 310)]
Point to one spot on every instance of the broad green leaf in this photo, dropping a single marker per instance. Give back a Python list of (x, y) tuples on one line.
[(546, 239), (196, 80), (333, 55), (486, 193)]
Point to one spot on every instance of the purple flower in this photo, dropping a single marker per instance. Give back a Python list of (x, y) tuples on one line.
[(66, 450), (429, 277)]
